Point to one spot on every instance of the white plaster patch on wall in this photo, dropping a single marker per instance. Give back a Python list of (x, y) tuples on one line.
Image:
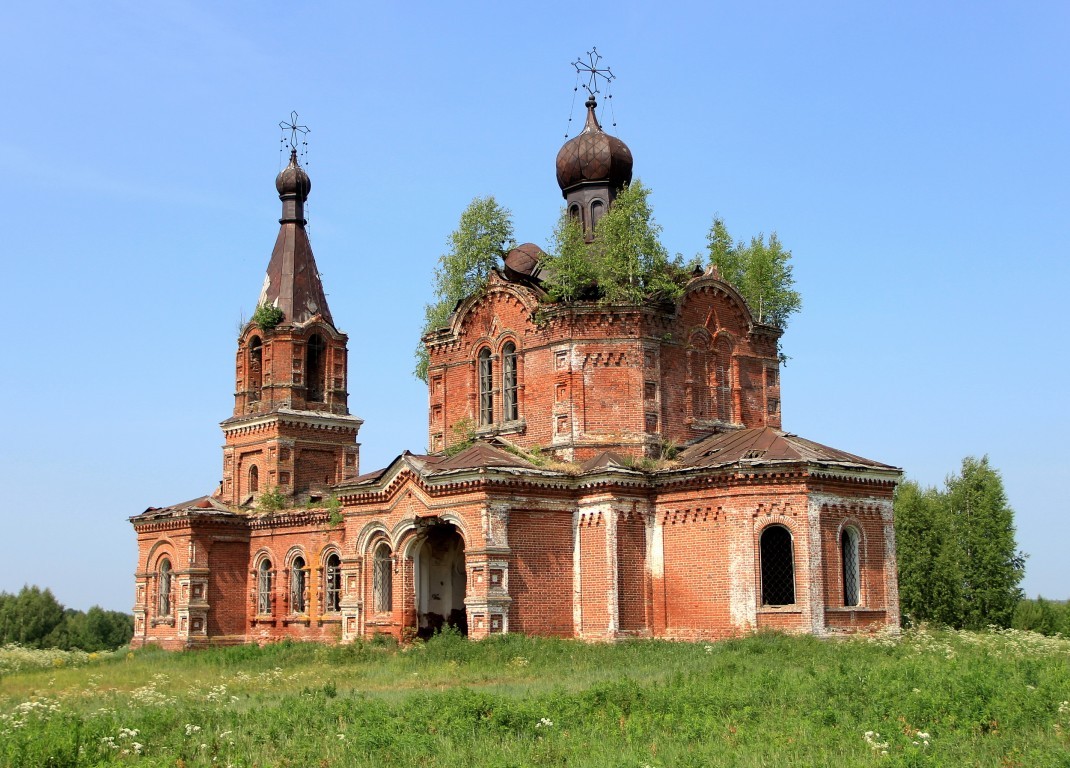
[(742, 598), (577, 589), (814, 582)]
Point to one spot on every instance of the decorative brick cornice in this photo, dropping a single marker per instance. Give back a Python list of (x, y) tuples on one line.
[(330, 422)]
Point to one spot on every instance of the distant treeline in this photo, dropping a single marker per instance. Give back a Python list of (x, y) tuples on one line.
[(35, 619), (1048, 617)]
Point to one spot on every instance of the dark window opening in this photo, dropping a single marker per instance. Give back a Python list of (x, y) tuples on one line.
[(163, 603), (510, 405), (723, 382), (851, 574), (333, 584), (254, 479), (315, 370), (778, 566), (700, 386), (263, 588), (597, 209), (297, 585), (486, 387), (383, 580), (256, 365)]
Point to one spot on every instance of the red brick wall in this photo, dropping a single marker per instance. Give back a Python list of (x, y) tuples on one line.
[(540, 572)]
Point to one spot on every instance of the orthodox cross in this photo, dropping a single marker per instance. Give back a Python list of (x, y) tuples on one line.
[(294, 129), (592, 71)]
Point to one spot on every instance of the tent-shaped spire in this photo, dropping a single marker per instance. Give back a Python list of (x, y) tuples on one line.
[(292, 282)]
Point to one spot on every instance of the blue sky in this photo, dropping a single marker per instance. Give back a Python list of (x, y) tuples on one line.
[(913, 156)]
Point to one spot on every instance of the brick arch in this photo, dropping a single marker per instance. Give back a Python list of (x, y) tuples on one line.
[(711, 284), (295, 551), (159, 550), (371, 531), (521, 297), (849, 521), (264, 553)]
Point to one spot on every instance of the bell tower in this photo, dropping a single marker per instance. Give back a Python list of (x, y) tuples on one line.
[(291, 428)]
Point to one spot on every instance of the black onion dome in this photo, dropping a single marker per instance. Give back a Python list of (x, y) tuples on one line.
[(293, 180), (594, 156)]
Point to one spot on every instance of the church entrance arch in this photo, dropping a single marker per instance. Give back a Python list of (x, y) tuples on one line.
[(440, 579)]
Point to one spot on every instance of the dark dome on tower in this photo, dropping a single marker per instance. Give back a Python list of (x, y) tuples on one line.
[(293, 180), (594, 157)]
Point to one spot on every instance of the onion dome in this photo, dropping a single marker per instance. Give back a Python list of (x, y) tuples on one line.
[(523, 261), (293, 181), (593, 157)]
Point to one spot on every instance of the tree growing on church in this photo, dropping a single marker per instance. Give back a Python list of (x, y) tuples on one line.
[(959, 563), (760, 271), (625, 263), (483, 236)]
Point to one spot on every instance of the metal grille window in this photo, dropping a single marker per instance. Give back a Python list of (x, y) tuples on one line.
[(263, 587), (486, 387), (851, 573), (163, 604), (297, 585), (778, 566), (333, 585), (383, 580), (510, 406)]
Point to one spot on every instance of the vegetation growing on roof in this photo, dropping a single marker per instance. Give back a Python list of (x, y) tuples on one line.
[(267, 316), (482, 238), (625, 263)]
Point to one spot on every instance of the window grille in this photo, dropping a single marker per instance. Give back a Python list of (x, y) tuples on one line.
[(511, 406), (164, 589), (383, 580), (486, 387), (263, 587), (333, 587), (851, 574), (297, 586), (723, 383), (778, 566)]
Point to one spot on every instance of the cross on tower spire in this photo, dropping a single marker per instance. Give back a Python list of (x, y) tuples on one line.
[(294, 129), (591, 69)]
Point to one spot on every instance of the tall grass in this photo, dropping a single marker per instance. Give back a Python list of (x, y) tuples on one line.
[(927, 699)]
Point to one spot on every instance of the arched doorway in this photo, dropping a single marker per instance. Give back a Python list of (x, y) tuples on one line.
[(440, 580)]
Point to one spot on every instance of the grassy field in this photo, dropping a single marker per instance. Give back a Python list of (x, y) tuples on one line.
[(927, 699)]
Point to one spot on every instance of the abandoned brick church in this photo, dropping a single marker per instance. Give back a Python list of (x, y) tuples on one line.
[(748, 527)]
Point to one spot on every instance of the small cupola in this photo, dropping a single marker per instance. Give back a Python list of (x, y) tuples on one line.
[(293, 185), (591, 168)]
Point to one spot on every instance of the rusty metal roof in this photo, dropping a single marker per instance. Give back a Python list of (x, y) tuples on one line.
[(293, 282), (766, 445), (481, 454)]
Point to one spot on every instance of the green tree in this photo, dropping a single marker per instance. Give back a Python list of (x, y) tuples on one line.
[(624, 264), (958, 561), (760, 270), (27, 618), (992, 564), (567, 270), (630, 263), (483, 236)]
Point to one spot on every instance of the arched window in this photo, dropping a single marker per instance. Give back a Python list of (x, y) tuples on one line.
[(256, 366), (510, 405), (851, 572), (332, 589), (163, 589), (263, 587), (486, 387), (315, 371), (722, 380), (700, 378), (254, 479), (383, 579), (297, 585), (778, 566), (597, 209), (574, 213)]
